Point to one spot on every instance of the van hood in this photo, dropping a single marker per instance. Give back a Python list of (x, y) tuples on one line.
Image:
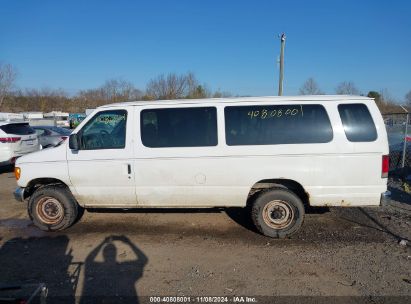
[(46, 155)]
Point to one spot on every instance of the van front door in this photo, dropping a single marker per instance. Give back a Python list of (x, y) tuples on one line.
[(101, 170)]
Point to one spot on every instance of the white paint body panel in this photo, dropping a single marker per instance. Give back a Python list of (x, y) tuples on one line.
[(338, 173), (100, 177), (46, 163)]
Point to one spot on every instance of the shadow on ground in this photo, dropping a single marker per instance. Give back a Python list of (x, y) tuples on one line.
[(49, 260), (155, 210), (239, 215), (369, 219)]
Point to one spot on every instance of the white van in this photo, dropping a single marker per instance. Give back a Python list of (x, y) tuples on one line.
[(275, 155)]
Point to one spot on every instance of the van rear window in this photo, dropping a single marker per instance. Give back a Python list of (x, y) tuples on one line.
[(357, 122), (18, 129), (179, 127), (277, 124)]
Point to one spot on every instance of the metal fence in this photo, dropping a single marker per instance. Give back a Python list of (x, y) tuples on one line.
[(399, 139)]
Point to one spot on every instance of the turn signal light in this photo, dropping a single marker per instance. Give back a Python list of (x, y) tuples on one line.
[(17, 172)]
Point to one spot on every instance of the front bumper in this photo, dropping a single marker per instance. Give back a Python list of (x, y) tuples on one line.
[(385, 198), (19, 194)]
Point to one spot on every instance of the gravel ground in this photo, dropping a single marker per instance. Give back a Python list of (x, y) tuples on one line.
[(340, 255)]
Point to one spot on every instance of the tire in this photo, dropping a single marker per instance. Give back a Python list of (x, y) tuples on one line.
[(277, 213), (53, 208)]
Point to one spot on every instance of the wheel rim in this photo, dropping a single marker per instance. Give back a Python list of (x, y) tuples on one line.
[(50, 210), (278, 214)]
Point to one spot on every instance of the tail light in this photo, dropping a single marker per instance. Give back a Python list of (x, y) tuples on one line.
[(9, 139), (385, 166), (64, 137)]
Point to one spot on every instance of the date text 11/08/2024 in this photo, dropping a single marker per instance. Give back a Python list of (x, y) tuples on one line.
[(203, 299)]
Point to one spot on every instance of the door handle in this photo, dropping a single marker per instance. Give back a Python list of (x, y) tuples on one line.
[(128, 168)]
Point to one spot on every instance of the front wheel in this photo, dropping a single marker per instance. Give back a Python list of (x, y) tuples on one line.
[(53, 208), (277, 213)]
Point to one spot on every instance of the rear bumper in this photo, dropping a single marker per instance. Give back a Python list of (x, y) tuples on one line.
[(385, 198), (19, 194)]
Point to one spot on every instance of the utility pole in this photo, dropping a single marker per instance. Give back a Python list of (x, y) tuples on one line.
[(280, 84)]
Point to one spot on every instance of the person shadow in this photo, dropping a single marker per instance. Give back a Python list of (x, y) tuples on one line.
[(111, 281), (27, 262)]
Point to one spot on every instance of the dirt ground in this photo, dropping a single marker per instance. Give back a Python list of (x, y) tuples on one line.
[(340, 254)]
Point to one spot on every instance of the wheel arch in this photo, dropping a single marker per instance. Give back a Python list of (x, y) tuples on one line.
[(289, 184), (37, 183)]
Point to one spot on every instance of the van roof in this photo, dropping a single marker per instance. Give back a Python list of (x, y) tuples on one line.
[(317, 98)]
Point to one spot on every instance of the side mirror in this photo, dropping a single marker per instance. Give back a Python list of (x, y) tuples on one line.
[(74, 142)]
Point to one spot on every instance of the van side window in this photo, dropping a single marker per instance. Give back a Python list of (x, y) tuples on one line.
[(179, 127), (106, 130), (357, 122), (277, 124)]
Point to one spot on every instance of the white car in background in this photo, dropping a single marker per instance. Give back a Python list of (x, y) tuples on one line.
[(16, 139)]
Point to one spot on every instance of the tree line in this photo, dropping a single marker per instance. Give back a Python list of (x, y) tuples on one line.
[(383, 99), (170, 86)]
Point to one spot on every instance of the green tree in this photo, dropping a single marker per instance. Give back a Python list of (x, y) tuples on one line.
[(375, 95)]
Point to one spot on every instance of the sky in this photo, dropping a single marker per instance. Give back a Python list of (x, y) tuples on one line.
[(229, 45)]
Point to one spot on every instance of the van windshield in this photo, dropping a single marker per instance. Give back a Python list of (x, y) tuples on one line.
[(106, 130)]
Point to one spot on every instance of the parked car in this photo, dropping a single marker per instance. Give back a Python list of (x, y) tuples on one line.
[(16, 139), (50, 136), (275, 155)]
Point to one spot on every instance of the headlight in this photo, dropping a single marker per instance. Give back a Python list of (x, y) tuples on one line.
[(17, 172)]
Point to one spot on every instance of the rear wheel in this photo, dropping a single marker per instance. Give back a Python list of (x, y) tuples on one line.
[(277, 213), (53, 208)]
